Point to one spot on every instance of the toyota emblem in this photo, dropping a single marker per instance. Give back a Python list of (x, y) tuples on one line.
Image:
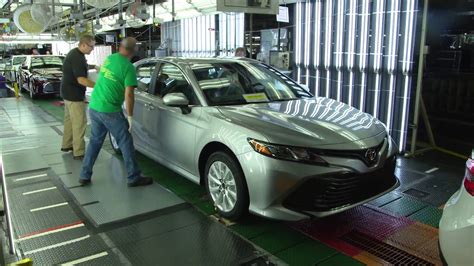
[(371, 155)]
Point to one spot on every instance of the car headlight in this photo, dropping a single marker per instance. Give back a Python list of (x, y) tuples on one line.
[(288, 153)]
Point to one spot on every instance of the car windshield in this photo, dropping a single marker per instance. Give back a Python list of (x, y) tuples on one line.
[(19, 60), (47, 62), (245, 82)]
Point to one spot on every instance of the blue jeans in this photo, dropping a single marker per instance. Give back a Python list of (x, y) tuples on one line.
[(117, 125)]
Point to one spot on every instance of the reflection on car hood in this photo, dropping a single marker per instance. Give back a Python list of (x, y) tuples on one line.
[(306, 122), (49, 73)]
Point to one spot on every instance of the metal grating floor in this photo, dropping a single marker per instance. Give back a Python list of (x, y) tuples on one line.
[(383, 250)]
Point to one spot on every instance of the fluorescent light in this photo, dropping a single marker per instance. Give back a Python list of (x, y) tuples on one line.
[(298, 41), (328, 44), (351, 85), (328, 82), (307, 39), (376, 95), (378, 35), (393, 36), (339, 85), (317, 43), (339, 45), (307, 33), (392, 58), (390, 101), (328, 33), (362, 91), (403, 125), (352, 37), (406, 68)]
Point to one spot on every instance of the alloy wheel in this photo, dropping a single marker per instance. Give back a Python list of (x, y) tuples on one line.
[(222, 187)]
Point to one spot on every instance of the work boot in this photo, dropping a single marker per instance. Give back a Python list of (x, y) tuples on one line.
[(84, 182), (142, 181)]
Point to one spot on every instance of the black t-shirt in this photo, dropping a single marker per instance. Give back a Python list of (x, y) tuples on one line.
[(74, 66)]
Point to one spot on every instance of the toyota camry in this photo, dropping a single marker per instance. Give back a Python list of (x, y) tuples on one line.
[(257, 140)]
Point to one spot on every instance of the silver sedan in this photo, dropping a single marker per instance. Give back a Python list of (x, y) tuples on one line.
[(257, 140)]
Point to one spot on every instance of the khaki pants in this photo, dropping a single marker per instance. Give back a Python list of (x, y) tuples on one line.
[(75, 123)]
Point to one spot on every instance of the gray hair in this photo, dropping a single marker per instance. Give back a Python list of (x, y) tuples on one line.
[(129, 44)]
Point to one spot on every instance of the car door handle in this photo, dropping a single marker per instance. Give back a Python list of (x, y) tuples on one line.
[(149, 106)]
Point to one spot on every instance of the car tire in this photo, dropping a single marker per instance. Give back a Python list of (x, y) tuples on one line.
[(114, 145), (221, 186)]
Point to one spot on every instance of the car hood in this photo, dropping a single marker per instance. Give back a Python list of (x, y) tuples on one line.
[(48, 73), (307, 122)]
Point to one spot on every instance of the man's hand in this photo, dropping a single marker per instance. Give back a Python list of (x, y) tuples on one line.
[(86, 82), (130, 122)]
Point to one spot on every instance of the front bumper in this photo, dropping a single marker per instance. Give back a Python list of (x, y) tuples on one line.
[(331, 193), (51, 87), (293, 191)]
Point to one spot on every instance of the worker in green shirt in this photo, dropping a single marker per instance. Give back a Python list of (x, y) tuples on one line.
[(115, 84)]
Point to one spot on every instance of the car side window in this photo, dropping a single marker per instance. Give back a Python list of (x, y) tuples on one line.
[(170, 79), (144, 74)]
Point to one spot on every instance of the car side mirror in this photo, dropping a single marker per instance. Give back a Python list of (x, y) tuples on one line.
[(177, 99)]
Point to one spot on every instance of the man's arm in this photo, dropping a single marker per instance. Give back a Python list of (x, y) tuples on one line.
[(129, 100), (86, 82), (129, 103)]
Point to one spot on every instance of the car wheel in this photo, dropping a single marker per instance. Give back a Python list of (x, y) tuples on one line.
[(226, 186), (32, 91), (114, 144)]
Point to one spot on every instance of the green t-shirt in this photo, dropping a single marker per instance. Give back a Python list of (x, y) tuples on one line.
[(115, 75)]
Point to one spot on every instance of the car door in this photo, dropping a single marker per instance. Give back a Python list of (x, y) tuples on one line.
[(145, 76), (172, 131)]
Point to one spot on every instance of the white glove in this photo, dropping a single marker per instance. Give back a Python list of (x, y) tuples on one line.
[(130, 122)]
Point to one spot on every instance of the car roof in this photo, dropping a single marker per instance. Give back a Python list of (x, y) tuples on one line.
[(46, 55), (198, 60)]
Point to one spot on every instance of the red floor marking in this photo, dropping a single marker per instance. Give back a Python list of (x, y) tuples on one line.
[(58, 103), (49, 229), (372, 221)]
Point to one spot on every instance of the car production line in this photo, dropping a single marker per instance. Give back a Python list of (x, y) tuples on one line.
[(51, 222)]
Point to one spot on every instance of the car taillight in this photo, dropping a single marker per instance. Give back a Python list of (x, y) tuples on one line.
[(469, 178)]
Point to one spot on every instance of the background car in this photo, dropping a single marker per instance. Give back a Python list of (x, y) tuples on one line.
[(456, 228), (257, 140), (41, 75)]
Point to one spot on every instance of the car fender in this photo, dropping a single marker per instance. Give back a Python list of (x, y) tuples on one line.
[(217, 128)]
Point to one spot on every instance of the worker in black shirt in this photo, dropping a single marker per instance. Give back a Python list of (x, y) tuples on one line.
[(73, 90)]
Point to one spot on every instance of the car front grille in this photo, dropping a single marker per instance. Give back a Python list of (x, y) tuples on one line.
[(52, 87), (357, 154), (331, 192)]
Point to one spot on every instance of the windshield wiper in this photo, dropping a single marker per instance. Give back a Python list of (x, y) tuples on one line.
[(284, 100)]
